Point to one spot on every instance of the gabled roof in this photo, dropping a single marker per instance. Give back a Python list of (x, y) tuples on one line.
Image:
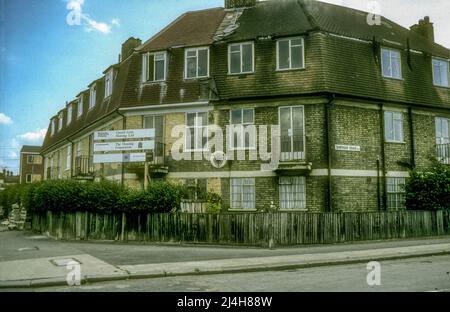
[(190, 29)]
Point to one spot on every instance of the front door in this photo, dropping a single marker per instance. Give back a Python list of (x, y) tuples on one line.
[(292, 133)]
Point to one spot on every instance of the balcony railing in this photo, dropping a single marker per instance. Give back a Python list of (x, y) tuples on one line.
[(84, 166), (292, 149), (159, 154), (443, 153)]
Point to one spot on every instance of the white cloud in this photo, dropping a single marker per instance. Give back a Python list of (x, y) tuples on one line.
[(37, 136), (13, 155), (77, 17), (5, 120)]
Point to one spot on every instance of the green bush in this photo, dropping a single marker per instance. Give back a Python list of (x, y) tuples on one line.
[(429, 190), (10, 196), (105, 197), (214, 202)]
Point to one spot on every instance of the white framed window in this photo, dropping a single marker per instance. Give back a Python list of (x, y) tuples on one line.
[(391, 63), (396, 193), (69, 158), (290, 53), (292, 193), (59, 161), (60, 121), (29, 178), (393, 126), (442, 131), (441, 72), (109, 82), (196, 131), (80, 106), (92, 97), (242, 129), (30, 159), (69, 114), (243, 193), (292, 133), (196, 63), (53, 126), (154, 66), (241, 58)]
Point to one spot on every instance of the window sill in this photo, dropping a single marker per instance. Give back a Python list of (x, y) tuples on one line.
[(293, 210), (149, 82), (442, 87), (395, 142), (197, 78), (290, 70), (241, 74), (242, 210), (394, 78)]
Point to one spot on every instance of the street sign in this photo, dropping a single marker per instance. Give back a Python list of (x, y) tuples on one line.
[(124, 146), (348, 148), (119, 158), (124, 134)]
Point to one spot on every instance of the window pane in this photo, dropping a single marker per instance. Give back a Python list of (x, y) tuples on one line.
[(297, 41), (202, 119), (235, 63), (247, 58), (283, 54), (388, 126), (297, 57), (235, 48), (191, 139), (191, 68), (248, 116), (396, 66), (236, 116), (203, 63), (159, 70), (192, 53), (191, 120), (386, 57)]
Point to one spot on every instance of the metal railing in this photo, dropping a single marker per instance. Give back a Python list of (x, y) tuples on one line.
[(159, 154), (443, 153), (286, 145), (84, 166)]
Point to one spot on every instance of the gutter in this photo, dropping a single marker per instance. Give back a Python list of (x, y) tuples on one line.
[(383, 156)]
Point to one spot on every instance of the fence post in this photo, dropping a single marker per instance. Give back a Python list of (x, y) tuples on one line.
[(124, 221), (440, 222)]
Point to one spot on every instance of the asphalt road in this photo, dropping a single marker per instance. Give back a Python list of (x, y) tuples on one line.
[(21, 246), (412, 275)]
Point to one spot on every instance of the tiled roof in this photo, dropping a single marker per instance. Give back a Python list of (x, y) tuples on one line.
[(31, 149), (190, 29)]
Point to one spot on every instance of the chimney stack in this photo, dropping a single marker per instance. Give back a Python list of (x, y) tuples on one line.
[(236, 4), (424, 28), (129, 46), (4, 173)]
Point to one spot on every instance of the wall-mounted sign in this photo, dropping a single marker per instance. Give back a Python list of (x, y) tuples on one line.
[(124, 146), (124, 134), (119, 158), (348, 148)]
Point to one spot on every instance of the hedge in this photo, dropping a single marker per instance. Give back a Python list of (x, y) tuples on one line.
[(104, 196)]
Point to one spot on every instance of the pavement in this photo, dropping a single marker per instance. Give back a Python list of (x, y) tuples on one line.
[(29, 261)]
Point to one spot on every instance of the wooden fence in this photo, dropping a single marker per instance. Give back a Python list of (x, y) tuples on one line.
[(252, 229)]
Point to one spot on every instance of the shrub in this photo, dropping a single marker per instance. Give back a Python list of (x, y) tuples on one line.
[(10, 196), (214, 202), (429, 190)]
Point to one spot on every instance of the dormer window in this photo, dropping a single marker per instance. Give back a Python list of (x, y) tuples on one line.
[(391, 63), (69, 114), (196, 63), (154, 66), (92, 97), (109, 79), (80, 106), (240, 58), (290, 54), (60, 121), (441, 72)]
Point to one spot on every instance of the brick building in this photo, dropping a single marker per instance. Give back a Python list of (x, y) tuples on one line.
[(358, 104), (31, 164)]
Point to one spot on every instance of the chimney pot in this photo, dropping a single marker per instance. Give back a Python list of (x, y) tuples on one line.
[(424, 28), (128, 47)]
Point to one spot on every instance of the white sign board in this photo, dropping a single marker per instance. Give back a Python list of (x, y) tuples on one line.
[(124, 134), (124, 146), (348, 148), (119, 158)]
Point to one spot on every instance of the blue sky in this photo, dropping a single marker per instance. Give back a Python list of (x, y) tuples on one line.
[(46, 62)]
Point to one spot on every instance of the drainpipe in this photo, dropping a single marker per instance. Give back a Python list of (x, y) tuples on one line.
[(411, 134), (124, 127), (383, 156), (378, 185), (329, 151)]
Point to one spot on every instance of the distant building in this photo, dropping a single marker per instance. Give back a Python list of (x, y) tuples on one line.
[(7, 178), (31, 164)]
